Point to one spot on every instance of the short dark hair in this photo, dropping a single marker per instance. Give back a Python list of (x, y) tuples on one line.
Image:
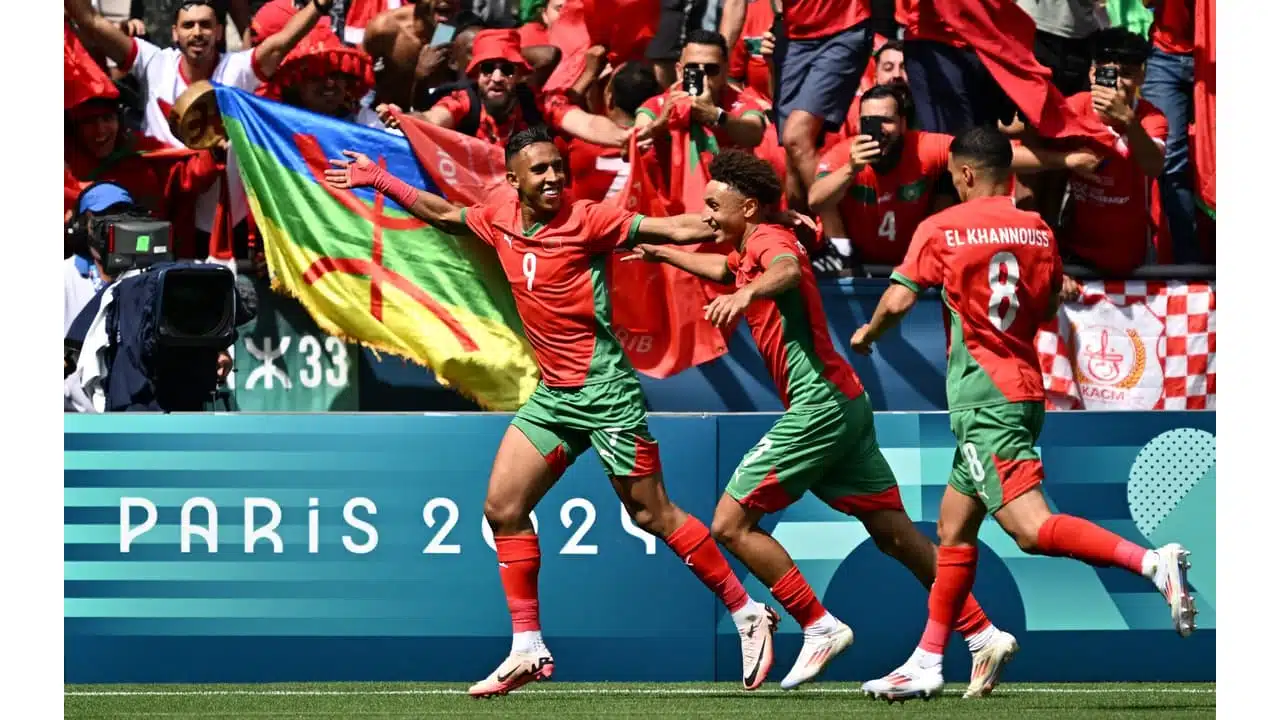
[(890, 45), (634, 83), (883, 92), (984, 147), (1118, 45), (525, 138), (747, 174), (698, 36), (214, 5)]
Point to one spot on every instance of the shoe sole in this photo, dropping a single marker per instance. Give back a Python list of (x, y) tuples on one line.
[(825, 662), (994, 680), (1184, 615), (766, 653), (892, 698), (543, 673)]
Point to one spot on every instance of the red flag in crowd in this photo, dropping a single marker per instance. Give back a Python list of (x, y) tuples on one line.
[(658, 311), (83, 79), (1204, 143), (1003, 36)]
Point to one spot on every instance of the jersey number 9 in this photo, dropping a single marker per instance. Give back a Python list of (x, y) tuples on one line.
[(529, 265)]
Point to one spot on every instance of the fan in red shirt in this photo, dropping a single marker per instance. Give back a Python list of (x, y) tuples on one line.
[(825, 40), (1109, 226), (888, 67), (750, 58), (999, 273), (882, 185), (598, 173), (499, 103), (538, 19)]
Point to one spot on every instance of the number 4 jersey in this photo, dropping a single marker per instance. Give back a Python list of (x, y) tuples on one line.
[(998, 269)]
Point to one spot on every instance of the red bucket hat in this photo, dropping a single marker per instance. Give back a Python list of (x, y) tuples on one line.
[(497, 45), (318, 54), (273, 16)]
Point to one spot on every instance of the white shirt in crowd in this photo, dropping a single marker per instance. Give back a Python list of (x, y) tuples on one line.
[(160, 73)]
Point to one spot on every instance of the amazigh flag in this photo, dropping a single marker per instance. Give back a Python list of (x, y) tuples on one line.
[(364, 268), (657, 310)]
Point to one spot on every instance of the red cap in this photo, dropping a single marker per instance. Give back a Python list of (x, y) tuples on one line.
[(83, 79), (497, 45), (320, 52), (273, 16)]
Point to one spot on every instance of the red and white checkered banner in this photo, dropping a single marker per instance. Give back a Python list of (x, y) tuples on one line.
[(1133, 345)]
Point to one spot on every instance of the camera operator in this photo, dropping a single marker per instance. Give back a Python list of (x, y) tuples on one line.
[(154, 335)]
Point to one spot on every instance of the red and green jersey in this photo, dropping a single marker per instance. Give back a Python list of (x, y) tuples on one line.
[(738, 102), (791, 329), (557, 275), (881, 211), (999, 269)]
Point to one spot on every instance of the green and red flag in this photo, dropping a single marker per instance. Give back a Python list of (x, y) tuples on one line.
[(363, 267)]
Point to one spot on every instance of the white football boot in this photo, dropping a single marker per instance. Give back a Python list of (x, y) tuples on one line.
[(906, 683), (1172, 564), (989, 662), (817, 651), (518, 670)]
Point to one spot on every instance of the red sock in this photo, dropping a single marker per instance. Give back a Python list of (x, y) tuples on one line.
[(793, 591), (957, 568), (692, 543), (1073, 537), (518, 563), (972, 619)]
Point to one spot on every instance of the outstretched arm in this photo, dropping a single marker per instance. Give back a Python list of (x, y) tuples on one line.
[(687, 229), (271, 52), (708, 266), (894, 305), (360, 171), (98, 31), (783, 274)]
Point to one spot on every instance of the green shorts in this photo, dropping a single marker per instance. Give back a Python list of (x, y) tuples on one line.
[(996, 458), (829, 449), (609, 416)]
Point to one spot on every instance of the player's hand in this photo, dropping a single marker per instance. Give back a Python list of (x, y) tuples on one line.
[(767, 43), (224, 365), (705, 110), (861, 340), (863, 151), (357, 172), (1110, 104), (725, 309), (646, 252), (384, 114)]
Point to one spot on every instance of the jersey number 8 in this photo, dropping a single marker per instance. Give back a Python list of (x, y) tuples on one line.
[(1002, 315)]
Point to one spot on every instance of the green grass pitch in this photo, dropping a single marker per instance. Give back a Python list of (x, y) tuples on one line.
[(341, 701)]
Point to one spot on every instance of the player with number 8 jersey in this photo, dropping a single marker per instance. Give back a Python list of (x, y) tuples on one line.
[(554, 255), (1000, 274)]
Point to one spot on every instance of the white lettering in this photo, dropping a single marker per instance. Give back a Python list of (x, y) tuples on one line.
[(253, 533), (629, 527), (128, 532), (313, 525), (349, 515), (209, 531)]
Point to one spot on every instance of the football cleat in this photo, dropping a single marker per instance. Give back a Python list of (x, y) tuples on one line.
[(757, 648), (906, 683), (1172, 565), (816, 653), (518, 670), (988, 664)]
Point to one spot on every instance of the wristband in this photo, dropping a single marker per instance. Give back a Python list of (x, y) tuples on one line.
[(404, 194)]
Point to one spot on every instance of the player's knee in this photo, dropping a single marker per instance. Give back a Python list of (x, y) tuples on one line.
[(1027, 540), (727, 530), (893, 544), (799, 135), (504, 516), (949, 532)]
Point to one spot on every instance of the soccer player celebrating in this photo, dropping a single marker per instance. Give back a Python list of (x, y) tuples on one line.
[(1000, 275), (554, 255), (826, 440)]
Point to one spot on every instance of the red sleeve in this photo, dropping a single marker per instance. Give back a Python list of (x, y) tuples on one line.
[(935, 152), (653, 106), (738, 59), (479, 221), (749, 102), (1154, 122), (609, 227), (131, 58), (458, 103), (769, 244), (835, 158), (921, 268), (734, 259)]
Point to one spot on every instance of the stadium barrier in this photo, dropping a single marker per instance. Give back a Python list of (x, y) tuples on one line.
[(247, 548)]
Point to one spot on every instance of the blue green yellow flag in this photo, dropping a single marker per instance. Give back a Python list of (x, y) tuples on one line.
[(364, 268)]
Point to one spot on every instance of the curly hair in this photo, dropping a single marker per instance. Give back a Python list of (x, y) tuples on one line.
[(747, 174)]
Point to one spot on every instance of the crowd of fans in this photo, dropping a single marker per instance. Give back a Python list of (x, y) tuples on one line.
[(853, 102)]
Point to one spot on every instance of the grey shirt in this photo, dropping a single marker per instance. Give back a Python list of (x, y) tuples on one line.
[(1072, 19)]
